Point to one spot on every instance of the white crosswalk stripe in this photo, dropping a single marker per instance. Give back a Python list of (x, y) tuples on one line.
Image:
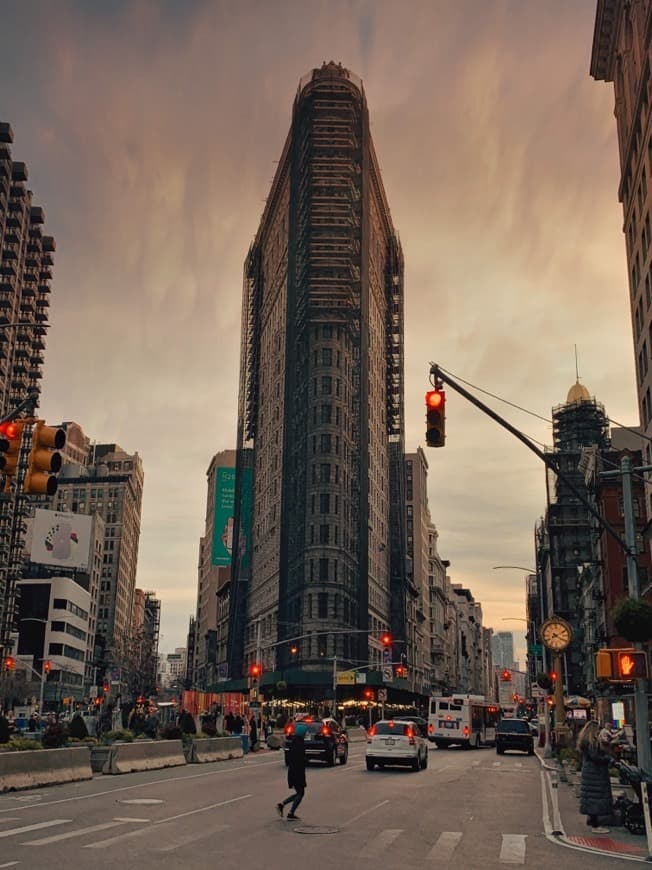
[(445, 846), (382, 841), (12, 832), (512, 850), (10, 864), (56, 838)]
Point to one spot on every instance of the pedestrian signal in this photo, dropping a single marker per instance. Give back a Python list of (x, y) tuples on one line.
[(435, 418), (632, 665)]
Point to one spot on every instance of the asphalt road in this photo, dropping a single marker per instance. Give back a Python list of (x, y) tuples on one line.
[(467, 810)]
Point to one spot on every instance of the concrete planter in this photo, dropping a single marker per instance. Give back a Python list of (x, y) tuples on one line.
[(33, 768), (205, 749)]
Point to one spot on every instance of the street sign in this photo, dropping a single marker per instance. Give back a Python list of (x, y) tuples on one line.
[(387, 674), (535, 649), (537, 692), (387, 654), (382, 694), (92, 692), (346, 678), (361, 677)]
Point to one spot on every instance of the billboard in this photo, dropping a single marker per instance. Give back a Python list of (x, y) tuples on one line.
[(62, 539), (223, 516)]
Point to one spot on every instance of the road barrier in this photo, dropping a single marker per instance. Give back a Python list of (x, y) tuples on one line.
[(33, 768), (204, 749), (144, 755)]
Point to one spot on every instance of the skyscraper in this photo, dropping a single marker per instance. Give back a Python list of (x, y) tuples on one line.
[(319, 547), (503, 649), (25, 274)]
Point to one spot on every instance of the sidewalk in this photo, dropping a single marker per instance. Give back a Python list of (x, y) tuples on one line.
[(619, 842)]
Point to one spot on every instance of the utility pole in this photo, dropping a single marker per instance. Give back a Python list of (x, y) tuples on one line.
[(643, 757)]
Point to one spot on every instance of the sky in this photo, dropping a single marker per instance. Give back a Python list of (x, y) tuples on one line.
[(151, 131)]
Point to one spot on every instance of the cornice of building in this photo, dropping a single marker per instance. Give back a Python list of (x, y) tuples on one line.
[(603, 54)]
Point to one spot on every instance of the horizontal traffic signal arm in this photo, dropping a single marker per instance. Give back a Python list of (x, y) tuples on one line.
[(440, 377)]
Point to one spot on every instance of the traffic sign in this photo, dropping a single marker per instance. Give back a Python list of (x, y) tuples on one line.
[(382, 694), (346, 678), (387, 674), (535, 649)]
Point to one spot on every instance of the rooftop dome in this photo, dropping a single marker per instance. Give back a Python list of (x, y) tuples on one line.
[(578, 393)]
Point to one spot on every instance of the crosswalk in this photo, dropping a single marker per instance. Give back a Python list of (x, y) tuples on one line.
[(510, 848)]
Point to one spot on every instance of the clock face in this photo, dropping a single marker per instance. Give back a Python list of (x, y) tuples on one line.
[(556, 634)]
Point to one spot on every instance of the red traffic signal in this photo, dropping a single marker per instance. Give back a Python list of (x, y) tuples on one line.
[(47, 667), (631, 665), (10, 444), (255, 670), (553, 676), (369, 694), (386, 639), (506, 676), (9, 663), (435, 418)]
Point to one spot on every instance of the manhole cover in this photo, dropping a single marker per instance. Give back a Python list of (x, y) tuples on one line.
[(315, 829), (142, 801)]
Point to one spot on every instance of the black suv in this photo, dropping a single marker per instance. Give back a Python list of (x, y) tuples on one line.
[(514, 734), (325, 740)]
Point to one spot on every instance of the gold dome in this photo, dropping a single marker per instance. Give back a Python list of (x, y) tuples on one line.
[(578, 393)]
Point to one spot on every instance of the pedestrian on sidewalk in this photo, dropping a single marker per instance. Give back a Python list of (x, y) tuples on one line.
[(296, 772), (595, 796)]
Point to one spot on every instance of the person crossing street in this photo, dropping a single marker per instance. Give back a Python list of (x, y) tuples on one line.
[(296, 772)]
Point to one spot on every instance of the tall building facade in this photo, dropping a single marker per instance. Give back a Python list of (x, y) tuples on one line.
[(621, 55), (320, 547), (214, 574), (109, 482), (568, 541), (26, 259), (503, 649)]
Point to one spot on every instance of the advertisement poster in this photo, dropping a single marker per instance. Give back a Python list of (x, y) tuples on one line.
[(61, 538)]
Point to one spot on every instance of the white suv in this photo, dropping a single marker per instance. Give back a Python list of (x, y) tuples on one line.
[(395, 741)]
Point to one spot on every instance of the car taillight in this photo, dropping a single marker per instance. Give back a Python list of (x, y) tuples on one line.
[(289, 730), (326, 731), (430, 728), (410, 733), (465, 731), (372, 731)]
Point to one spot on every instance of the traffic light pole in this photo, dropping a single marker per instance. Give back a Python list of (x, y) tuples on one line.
[(643, 757)]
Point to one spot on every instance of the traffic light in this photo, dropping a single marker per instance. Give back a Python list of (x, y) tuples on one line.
[(9, 663), (631, 665), (10, 443), (44, 461), (255, 671), (603, 664), (553, 677), (386, 639), (370, 695), (435, 418), (47, 667), (506, 676)]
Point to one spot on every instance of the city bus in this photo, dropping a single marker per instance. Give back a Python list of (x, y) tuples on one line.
[(462, 720)]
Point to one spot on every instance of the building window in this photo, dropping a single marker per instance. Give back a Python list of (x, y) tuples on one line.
[(323, 570), (322, 605), (324, 534), (324, 503)]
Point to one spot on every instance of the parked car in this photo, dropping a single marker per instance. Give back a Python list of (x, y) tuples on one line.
[(396, 741), (514, 734), (419, 721), (325, 740)]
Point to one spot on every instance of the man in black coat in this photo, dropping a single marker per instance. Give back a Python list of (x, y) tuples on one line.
[(296, 772)]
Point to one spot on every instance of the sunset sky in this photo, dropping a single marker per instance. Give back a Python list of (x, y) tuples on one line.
[(151, 131)]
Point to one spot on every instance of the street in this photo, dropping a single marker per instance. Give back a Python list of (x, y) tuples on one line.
[(467, 810)]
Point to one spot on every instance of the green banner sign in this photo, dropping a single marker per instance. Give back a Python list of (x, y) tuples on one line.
[(535, 649), (223, 516)]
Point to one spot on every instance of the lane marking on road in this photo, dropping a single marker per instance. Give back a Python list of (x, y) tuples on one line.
[(475, 764), (101, 844), (129, 819), (364, 813), (496, 763), (518, 764), (143, 801), (9, 819), (512, 850), (79, 832), (23, 830), (445, 846), (10, 864), (191, 838), (85, 797)]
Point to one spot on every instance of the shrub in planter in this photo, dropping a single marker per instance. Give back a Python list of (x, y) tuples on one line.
[(22, 744), (54, 736), (118, 736), (633, 619), (78, 727), (209, 729), (171, 732)]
